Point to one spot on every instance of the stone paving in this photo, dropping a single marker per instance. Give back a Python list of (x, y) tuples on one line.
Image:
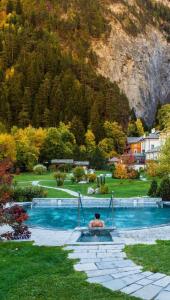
[(108, 265)]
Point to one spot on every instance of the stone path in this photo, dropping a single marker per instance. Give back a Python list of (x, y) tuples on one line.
[(108, 265), (70, 192)]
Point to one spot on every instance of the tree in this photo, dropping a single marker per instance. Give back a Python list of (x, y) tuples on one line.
[(9, 7), (132, 129), (121, 171), (107, 147), (2, 128), (152, 168), (139, 126), (29, 142), (59, 143), (164, 165), (164, 189), (98, 160), (114, 131), (90, 143), (7, 147), (18, 8), (153, 190), (163, 117)]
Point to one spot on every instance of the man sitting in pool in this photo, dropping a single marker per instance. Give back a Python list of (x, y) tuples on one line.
[(96, 222)]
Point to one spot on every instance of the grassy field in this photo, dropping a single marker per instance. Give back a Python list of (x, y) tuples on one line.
[(45, 273), (120, 187), (154, 258)]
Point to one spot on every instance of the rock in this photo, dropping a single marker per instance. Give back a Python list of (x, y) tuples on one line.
[(140, 65), (90, 191)]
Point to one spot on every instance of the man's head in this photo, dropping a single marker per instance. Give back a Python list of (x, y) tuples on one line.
[(97, 216)]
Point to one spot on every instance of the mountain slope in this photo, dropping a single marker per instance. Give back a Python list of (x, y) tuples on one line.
[(83, 61), (137, 54)]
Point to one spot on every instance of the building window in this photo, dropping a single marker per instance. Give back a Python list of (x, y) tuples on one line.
[(152, 146)]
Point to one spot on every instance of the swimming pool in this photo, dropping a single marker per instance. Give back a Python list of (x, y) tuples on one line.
[(66, 217)]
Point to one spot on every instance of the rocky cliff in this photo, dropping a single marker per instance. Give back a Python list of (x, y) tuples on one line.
[(139, 63)]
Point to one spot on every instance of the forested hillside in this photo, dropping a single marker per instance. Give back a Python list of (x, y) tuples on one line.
[(47, 72), (48, 68)]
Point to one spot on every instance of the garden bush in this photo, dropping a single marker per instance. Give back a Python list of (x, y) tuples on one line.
[(91, 178), (133, 174), (120, 171), (153, 190), (60, 177), (39, 169), (26, 194), (164, 189), (104, 189), (79, 173), (152, 168)]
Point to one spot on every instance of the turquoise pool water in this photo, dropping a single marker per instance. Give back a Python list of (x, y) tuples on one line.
[(66, 218)]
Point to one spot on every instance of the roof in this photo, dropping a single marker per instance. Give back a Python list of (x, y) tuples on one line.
[(114, 159), (62, 161), (134, 140), (81, 163), (152, 135)]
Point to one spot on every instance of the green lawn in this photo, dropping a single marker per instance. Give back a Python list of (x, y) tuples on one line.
[(154, 258), (45, 273), (120, 187)]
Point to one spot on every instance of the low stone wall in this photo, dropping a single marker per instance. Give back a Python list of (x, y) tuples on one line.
[(95, 202)]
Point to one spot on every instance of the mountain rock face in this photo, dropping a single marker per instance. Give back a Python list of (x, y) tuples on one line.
[(139, 64)]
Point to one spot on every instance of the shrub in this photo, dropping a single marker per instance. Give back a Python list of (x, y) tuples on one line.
[(79, 173), (153, 189), (152, 168), (60, 177), (39, 169), (121, 171), (133, 174), (92, 177), (164, 190), (104, 189), (26, 194)]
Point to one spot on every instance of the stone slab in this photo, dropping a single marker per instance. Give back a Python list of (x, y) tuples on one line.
[(156, 276), (124, 274), (164, 295), (115, 284), (133, 278), (100, 272), (81, 255), (131, 288), (89, 260), (168, 288), (85, 267), (100, 279), (163, 281), (148, 292), (145, 281)]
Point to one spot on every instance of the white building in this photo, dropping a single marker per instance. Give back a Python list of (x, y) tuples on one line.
[(152, 144)]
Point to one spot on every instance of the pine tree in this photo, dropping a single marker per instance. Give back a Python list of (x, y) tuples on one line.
[(153, 189), (9, 7), (18, 8)]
